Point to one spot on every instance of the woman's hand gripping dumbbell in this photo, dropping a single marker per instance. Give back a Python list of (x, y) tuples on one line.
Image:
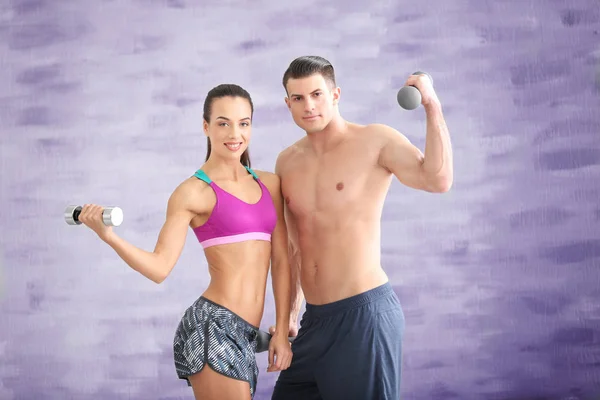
[(99, 219)]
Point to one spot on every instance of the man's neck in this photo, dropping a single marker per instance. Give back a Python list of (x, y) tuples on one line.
[(330, 137)]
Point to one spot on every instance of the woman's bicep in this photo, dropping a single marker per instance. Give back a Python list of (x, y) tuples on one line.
[(173, 233), (279, 237)]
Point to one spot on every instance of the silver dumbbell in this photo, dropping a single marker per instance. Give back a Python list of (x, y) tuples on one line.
[(262, 341), (111, 216), (409, 97)]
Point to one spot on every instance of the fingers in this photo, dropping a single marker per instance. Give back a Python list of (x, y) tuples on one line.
[(279, 359), (418, 80), (271, 356), (283, 362), (280, 354), (274, 367), (287, 360), (86, 214), (90, 214)]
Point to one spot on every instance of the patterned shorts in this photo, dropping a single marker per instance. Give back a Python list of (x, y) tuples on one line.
[(210, 334)]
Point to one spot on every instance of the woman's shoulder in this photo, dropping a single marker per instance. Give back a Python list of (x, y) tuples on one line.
[(192, 193)]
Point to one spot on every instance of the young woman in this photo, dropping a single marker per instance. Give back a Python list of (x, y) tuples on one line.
[(237, 215)]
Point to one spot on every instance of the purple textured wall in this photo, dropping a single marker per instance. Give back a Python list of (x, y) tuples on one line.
[(101, 102)]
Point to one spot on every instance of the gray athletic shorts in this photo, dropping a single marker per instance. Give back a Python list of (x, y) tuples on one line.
[(210, 334), (347, 350)]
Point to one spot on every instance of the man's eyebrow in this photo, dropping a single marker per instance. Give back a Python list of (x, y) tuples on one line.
[(314, 91)]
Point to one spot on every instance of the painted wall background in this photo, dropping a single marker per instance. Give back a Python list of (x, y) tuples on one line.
[(100, 101)]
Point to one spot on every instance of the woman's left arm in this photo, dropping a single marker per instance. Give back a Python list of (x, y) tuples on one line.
[(280, 268)]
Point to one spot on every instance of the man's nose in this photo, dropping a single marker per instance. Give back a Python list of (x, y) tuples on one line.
[(309, 105)]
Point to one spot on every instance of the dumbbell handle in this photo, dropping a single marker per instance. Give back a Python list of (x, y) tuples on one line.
[(111, 216), (262, 341)]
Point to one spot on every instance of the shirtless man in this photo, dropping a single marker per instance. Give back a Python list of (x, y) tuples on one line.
[(334, 181)]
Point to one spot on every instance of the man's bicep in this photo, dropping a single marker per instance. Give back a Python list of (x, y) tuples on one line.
[(403, 159)]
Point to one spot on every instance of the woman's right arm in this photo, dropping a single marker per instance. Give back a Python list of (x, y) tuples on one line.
[(295, 261), (155, 265)]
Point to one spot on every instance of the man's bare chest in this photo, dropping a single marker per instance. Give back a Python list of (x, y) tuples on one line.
[(325, 186)]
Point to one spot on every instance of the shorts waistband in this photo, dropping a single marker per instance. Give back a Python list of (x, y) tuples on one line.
[(329, 309), (248, 324)]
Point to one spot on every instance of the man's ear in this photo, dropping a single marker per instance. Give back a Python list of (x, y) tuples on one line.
[(336, 94)]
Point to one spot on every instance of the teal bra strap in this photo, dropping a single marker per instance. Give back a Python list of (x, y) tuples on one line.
[(252, 172), (202, 176)]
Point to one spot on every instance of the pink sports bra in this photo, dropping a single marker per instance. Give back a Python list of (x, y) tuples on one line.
[(233, 220)]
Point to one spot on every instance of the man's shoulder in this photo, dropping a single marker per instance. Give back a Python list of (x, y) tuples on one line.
[(379, 129), (370, 137), (289, 152), (293, 148), (379, 135)]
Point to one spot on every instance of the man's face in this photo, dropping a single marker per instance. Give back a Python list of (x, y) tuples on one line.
[(311, 101)]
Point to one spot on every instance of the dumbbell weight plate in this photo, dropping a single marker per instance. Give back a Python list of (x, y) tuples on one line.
[(71, 215)]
